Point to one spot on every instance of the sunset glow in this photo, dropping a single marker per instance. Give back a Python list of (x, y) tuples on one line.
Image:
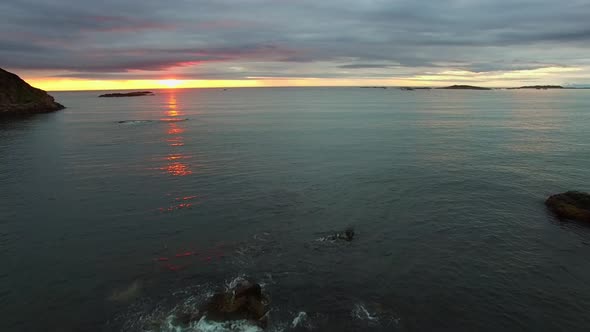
[(171, 83), (441, 77), (86, 85)]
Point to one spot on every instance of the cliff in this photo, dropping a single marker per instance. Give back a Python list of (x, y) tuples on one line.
[(17, 97)]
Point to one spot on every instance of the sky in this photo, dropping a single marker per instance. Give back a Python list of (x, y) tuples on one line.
[(118, 44)]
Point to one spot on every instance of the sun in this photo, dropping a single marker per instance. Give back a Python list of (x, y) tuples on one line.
[(171, 83)]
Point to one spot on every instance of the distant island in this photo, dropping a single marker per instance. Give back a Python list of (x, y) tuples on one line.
[(128, 94), (407, 88), (17, 97), (540, 87), (473, 87), (464, 87)]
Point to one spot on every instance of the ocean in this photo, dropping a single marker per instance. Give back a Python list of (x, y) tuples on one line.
[(117, 213)]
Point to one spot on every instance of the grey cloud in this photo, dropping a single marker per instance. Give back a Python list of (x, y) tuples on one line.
[(113, 38), (364, 66)]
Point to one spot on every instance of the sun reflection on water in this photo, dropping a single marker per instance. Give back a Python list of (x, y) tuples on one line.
[(172, 105), (178, 169), (177, 165)]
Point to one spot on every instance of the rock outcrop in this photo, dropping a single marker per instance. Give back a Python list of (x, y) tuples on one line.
[(347, 235), (572, 205), (245, 301), (129, 94), (17, 97)]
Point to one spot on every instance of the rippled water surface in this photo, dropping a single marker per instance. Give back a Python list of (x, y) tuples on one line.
[(110, 226)]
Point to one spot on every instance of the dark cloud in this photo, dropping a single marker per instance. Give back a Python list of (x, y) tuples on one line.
[(331, 38)]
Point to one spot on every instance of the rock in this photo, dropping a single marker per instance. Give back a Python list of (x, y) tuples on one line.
[(347, 235), (248, 289), (244, 302), (17, 97), (572, 205), (139, 122), (129, 94)]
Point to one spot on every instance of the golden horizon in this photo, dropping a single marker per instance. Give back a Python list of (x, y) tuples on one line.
[(541, 76)]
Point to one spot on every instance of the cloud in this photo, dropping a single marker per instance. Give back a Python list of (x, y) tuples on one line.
[(331, 38), (365, 65)]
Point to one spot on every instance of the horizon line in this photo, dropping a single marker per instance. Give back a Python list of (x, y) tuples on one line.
[(442, 87)]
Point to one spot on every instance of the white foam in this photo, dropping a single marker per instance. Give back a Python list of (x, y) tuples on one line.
[(299, 320), (127, 294), (205, 325), (135, 122), (235, 282), (360, 312), (165, 319)]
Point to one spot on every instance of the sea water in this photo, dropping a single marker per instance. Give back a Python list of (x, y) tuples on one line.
[(109, 226)]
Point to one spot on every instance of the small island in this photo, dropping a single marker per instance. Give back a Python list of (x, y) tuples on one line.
[(464, 87), (128, 94), (17, 97), (541, 87)]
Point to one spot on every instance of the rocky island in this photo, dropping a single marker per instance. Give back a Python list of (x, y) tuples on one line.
[(17, 97), (464, 87), (129, 94)]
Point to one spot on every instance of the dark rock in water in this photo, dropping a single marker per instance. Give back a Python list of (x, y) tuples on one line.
[(573, 205), (17, 97), (347, 235), (129, 94), (247, 288), (244, 302), (137, 122)]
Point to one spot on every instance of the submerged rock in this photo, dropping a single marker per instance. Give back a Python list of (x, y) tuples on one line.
[(573, 205), (127, 294), (17, 97), (245, 301), (138, 122), (347, 235), (128, 94)]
